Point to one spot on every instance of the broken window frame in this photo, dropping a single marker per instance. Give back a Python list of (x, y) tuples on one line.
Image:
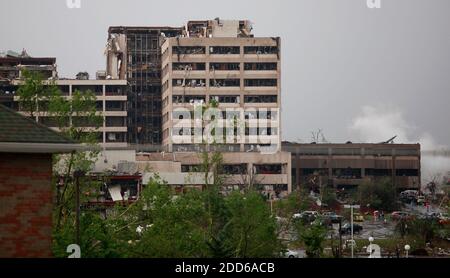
[(261, 50), (225, 83), (224, 50), (224, 66), (261, 66)]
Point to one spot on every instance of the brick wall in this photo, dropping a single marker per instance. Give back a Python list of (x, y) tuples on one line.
[(25, 205)]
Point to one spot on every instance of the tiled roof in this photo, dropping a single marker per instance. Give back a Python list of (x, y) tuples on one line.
[(16, 128)]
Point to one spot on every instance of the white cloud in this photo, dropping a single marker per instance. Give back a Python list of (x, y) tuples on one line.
[(379, 123)]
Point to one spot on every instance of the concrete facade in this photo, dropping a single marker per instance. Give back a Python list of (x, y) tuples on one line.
[(269, 173), (239, 73)]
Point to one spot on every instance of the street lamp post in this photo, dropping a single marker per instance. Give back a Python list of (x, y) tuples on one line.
[(407, 248), (351, 207), (371, 239)]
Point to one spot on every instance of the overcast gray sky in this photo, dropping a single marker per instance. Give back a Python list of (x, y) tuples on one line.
[(344, 65)]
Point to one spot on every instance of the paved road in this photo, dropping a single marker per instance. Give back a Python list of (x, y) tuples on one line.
[(377, 229)]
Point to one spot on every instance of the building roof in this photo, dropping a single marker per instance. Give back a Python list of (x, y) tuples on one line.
[(17, 128), (121, 29), (350, 145), (22, 134), (28, 60)]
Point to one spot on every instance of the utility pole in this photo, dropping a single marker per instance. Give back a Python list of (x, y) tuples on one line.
[(351, 207), (77, 174)]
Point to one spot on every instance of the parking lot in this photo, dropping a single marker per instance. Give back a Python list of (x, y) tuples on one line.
[(375, 229)]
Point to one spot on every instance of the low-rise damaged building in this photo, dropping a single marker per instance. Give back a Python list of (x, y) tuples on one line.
[(12, 66), (270, 174), (111, 103), (349, 165)]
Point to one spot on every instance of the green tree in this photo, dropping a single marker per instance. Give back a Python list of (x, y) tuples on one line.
[(425, 229), (379, 194), (313, 237), (329, 196), (78, 119), (176, 226), (252, 231), (33, 92)]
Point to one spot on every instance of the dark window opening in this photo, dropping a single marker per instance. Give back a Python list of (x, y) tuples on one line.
[(64, 89), (347, 173), (112, 137), (225, 99), (188, 50), (115, 91), (191, 168), (268, 169), (188, 99), (234, 169), (407, 172), (188, 66), (189, 82), (313, 171), (95, 89), (115, 121), (378, 172), (225, 82), (260, 50), (261, 99), (224, 50), (224, 66), (260, 82), (260, 66), (115, 106)]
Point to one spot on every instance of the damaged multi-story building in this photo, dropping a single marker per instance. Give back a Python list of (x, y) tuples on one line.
[(220, 61), (13, 64), (111, 103), (134, 54), (208, 61), (12, 67), (111, 95)]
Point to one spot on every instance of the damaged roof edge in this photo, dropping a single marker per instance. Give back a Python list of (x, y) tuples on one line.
[(121, 28)]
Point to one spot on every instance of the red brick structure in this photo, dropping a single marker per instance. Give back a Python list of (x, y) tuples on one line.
[(25, 205), (26, 185)]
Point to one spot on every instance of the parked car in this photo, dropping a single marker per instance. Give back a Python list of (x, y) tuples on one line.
[(358, 217), (307, 216), (401, 215), (347, 229), (409, 196), (409, 193), (332, 216), (290, 254)]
